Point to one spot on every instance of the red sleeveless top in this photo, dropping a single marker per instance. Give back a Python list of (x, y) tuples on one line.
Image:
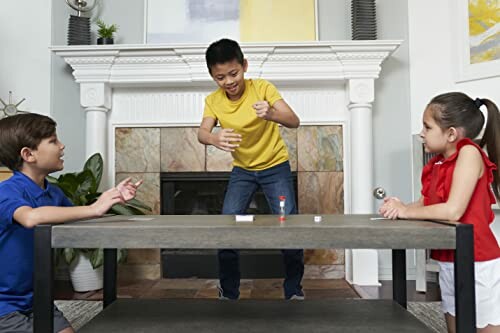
[(437, 176)]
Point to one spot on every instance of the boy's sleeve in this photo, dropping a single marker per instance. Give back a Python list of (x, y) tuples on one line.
[(208, 112), (10, 200), (65, 202), (271, 94)]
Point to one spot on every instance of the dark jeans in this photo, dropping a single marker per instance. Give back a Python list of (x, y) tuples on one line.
[(243, 184)]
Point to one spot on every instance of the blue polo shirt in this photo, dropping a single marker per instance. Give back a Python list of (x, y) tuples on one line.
[(16, 241)]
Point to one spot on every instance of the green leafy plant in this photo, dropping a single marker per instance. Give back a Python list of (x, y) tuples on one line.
[(106, 31), (82, 189)]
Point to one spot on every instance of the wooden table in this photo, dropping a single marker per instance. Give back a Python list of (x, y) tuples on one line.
[(266, 232)]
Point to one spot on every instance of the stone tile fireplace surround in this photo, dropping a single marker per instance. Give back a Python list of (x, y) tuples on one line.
[(144, 102), (315, 153)]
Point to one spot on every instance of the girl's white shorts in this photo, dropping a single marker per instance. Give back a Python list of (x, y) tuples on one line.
[(487, 275)]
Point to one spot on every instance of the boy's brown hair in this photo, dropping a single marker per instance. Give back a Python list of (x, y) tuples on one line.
[(22, 130)]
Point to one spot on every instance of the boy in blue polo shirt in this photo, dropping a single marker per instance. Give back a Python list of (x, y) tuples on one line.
[(30, 148)]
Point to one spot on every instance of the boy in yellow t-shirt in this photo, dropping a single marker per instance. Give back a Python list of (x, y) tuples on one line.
[(249, 112)]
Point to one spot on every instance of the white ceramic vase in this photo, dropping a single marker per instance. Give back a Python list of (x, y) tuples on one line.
[(83, 276)]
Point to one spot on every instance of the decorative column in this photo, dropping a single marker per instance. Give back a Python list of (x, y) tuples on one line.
[(361, 96), (96, 99), (92, 70)]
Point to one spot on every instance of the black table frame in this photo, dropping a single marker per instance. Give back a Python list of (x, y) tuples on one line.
[(464, 279)]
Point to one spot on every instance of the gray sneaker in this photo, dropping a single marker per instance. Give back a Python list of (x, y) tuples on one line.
[(221, 295), (297, 298)]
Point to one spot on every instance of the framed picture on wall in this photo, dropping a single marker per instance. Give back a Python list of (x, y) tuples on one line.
[(477, 39), (204, 21)]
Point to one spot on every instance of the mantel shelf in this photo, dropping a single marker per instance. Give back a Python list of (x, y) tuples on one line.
[(158, 65)]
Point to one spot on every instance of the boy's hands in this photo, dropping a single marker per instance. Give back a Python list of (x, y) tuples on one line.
[(226, 139), (128, 189), (106, 200), (393, 209), (122, 193), (263, 109)]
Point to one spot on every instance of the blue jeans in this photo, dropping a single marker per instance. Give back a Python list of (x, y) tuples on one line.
[(243, 184)]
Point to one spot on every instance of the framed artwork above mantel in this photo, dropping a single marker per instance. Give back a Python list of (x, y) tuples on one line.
[(204, 21), (477, 39)]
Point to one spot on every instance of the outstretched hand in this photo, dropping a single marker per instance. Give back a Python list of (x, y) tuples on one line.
[(106, 200), (227, 140), (120, 194), (393, 209), (128, 189)]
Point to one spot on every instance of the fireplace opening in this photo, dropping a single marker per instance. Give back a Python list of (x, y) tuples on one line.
[(202, 193)]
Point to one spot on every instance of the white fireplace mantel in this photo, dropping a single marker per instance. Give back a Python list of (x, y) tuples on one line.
[(149, 65), (107, 73)]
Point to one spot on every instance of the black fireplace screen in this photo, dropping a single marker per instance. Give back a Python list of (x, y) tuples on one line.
[(202, 193)]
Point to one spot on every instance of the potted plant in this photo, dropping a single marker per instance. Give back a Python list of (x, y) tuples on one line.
[(105, 32), (81, 188)]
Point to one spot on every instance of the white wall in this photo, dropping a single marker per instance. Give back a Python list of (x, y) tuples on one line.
[(66, 109), (432, 31), (333, 19), (25, 57)]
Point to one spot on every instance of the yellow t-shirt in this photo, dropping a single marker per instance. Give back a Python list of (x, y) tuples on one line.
[(261, 145)]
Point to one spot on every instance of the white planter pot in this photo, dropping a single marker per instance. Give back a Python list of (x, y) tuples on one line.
[(83, 276)]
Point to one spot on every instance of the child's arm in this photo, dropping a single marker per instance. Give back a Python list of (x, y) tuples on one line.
[(30, 217), (418, 203), (225, 139), (468, 170), (388, 211), (280, 113)]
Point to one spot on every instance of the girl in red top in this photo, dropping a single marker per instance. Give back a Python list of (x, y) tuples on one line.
[(456, 187)]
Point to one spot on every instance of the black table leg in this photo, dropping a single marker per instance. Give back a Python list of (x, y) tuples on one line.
[(465, 296), (110, 268), (399, 276), (43, 281)]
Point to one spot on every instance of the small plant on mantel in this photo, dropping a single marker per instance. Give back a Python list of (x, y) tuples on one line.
[(105, 32)]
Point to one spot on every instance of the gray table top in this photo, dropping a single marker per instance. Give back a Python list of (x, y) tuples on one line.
[(265, 232)]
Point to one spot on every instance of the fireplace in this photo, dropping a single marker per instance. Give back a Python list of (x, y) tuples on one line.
[(202, 193), (164, 86)]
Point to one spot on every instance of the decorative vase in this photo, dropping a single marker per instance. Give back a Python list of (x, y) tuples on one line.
[(83, 276), (78, 30), (103, 41), (363, 20)]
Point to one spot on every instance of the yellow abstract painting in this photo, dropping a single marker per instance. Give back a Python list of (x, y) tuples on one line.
[(204, 21), (277, 20), (484, 30)]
